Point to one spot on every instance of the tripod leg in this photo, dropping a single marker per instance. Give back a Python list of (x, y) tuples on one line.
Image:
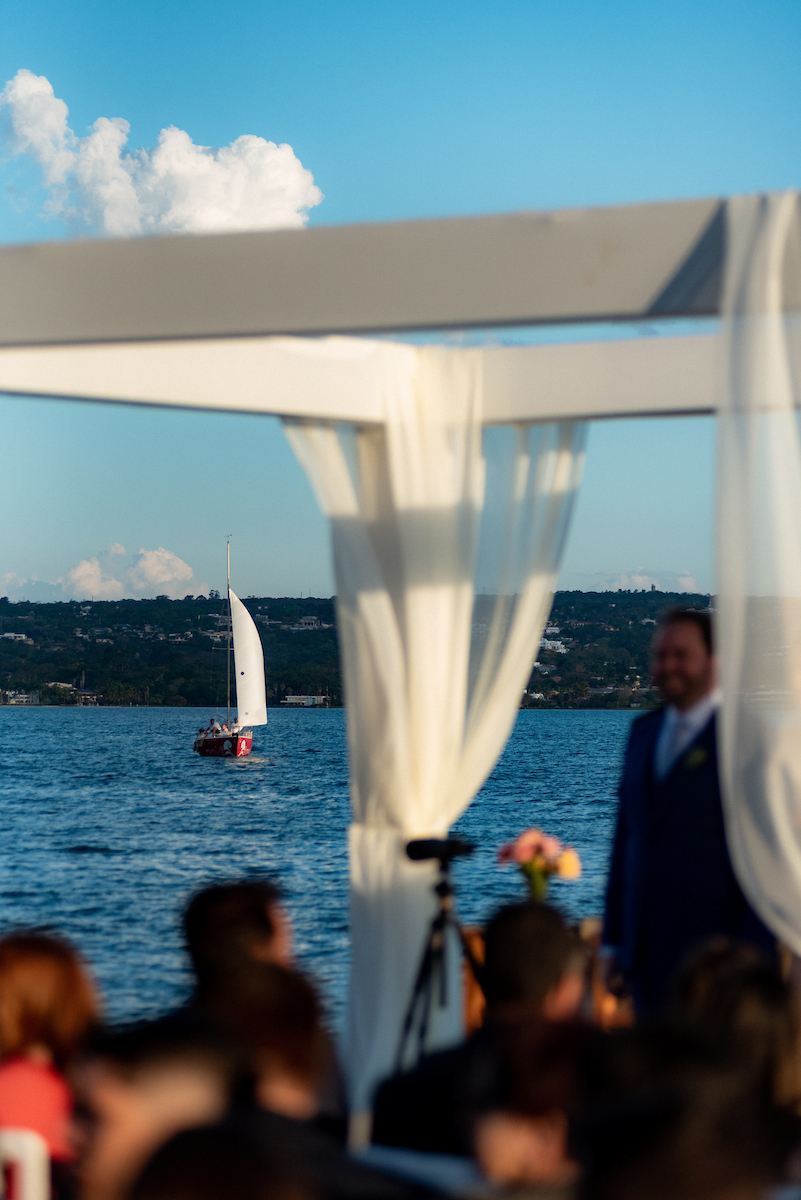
[(420, 991), (436, 970)]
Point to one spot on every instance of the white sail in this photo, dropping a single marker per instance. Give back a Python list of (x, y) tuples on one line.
[(251, 701)]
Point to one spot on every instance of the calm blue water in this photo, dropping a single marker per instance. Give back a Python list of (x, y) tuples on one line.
[(109, 822)]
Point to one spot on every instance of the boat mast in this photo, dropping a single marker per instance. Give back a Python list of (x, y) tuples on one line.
[(228, 595)]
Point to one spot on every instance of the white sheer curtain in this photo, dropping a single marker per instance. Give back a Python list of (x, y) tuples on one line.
[(759, 557), (446, 545)]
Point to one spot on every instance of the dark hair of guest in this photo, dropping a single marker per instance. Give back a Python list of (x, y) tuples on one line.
[(224, 922), (533, 1068), (666, 1117), (730, 994), (528, 950), (277, 1013)]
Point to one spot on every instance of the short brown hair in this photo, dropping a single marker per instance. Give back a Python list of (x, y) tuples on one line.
[(222, 924), (46, 996), (692, 616), (528, 949), (277, 1013)]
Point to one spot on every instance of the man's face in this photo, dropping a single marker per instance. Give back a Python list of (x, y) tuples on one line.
[(681, 666)]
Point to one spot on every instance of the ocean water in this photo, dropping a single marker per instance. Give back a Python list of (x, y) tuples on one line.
[(108, 822)]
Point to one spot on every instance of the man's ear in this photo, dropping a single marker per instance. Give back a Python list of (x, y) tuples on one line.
[(564, 998)]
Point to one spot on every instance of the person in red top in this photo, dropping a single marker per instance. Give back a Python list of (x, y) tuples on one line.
[(47, 1006)]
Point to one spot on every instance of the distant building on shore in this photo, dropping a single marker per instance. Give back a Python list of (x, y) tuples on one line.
[(20, 699)]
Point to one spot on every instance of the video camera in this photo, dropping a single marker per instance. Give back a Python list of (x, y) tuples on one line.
[(445, 850)]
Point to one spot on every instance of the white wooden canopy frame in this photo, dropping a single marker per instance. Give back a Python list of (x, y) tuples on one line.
[(314, 326)]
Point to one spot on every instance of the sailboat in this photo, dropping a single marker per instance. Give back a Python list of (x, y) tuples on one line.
[(236, 740)]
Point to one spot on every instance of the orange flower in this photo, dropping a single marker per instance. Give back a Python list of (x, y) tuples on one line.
[(568, 865)]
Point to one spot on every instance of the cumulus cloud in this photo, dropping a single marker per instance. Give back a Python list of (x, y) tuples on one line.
[(114, 575), (88, 580), (96, 186), (160, 571)]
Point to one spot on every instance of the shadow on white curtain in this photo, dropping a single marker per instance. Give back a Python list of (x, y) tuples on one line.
[(447, 540), (759, 557)]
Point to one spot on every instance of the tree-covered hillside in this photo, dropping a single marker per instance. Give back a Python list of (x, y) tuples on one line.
[(172, 652)]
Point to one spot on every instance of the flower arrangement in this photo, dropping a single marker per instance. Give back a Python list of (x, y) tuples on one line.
[(539, 856)]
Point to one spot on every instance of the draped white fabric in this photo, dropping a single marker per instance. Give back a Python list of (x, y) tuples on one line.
[(759, 557), (446, 544)]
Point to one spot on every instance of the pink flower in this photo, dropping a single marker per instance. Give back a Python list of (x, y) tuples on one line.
[(530, 844)]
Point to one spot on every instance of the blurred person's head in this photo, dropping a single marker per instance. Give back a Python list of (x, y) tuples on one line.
[(682, 657), (532, 1089), (214, 1164), (276, 1012), (228, 925), (141, 1085), (533, 962), (729, 994), (663, 1116), (48, 1003)]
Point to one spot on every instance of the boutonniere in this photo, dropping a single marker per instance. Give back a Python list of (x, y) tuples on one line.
[(696, 758)]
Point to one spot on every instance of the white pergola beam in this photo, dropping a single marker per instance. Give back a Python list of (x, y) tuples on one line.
[(340, 379), (647, 376), (625, 263)]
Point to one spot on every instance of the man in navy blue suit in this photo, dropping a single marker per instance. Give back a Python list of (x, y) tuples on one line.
[(671, 883)]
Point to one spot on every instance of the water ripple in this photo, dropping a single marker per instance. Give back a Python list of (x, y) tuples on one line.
[(110, 822)]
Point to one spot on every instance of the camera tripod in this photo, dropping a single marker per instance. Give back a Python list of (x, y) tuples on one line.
[(433, 974)]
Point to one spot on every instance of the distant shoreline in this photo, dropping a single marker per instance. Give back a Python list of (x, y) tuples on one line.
[(166, 653)]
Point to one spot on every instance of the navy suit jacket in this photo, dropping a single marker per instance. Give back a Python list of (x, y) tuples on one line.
[(671, 883)]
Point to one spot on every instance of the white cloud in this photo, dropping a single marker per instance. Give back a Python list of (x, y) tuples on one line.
[(95, 185), (108, 576), (160, 571), (89, 581)]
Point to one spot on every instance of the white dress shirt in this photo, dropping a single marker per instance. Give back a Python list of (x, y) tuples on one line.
[(680, 729)]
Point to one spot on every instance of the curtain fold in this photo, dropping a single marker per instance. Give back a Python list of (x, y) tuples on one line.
[(759, 557), (447, 540)]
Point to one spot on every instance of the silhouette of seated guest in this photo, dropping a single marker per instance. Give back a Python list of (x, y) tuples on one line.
[(525, 1102), (231, 926), (277, 1014), (47, 1007), (141, 1085), (534, 969), (665, 1117)]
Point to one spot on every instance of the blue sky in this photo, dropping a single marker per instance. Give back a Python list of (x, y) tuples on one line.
[(399, 110)]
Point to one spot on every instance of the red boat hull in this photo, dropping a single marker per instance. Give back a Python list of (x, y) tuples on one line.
[(224, 745)]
